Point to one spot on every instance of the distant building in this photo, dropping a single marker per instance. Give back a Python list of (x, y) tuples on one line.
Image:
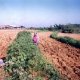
[(11, 27)]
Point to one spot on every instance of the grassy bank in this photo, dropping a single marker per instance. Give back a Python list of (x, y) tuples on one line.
[(24, 61), (67, 40)]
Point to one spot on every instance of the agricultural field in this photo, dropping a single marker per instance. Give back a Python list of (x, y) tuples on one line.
[(75, 36), (63, 57), (6, 38)]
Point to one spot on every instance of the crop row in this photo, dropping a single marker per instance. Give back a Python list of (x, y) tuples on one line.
[(67, 40), (24, 61)]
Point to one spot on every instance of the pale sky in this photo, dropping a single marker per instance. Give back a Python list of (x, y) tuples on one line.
[(39, 12)]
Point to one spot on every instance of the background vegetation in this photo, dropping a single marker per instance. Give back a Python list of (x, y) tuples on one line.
[(68, 28)]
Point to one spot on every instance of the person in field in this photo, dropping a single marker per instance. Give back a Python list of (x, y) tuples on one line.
[(35, 39), (1, 62)]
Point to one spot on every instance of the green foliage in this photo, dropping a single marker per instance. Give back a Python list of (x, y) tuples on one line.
[(78, 44), (38, 78), (24, 57), (70, 41), (67, 40), (67, 28), (54, 35)]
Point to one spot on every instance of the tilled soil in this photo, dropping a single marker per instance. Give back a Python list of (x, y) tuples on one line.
[(75, 36), (6, 37), (64, 57)]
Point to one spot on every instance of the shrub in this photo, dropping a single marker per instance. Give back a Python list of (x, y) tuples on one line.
[(67, 30)]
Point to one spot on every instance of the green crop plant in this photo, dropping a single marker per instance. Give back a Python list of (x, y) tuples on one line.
[(54, 35), (24, 59), (67, 40)]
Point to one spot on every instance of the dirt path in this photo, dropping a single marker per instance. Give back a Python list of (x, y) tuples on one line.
[(65, 58)]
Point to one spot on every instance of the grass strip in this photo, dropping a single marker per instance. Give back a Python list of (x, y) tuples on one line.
[(67, 40)]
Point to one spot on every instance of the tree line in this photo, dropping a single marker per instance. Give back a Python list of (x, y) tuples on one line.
[(67, 28)]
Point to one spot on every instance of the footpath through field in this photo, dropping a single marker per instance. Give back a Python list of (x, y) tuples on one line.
[(65, 58)]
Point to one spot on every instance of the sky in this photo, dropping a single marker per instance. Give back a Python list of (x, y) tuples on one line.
[(39, 12)]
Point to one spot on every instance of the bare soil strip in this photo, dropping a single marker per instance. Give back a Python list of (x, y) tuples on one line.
[(6, 37), (74, 36), (65, 57)]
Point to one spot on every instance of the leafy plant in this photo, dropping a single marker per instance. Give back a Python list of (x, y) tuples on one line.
[(54, 35), (24, 57)]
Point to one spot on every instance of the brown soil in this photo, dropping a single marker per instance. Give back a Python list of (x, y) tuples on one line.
[(75, 36), (64, 57), (6, 38)]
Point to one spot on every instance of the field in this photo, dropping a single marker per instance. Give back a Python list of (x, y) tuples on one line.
[(65, 57), (75, 36), (6, 37)]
